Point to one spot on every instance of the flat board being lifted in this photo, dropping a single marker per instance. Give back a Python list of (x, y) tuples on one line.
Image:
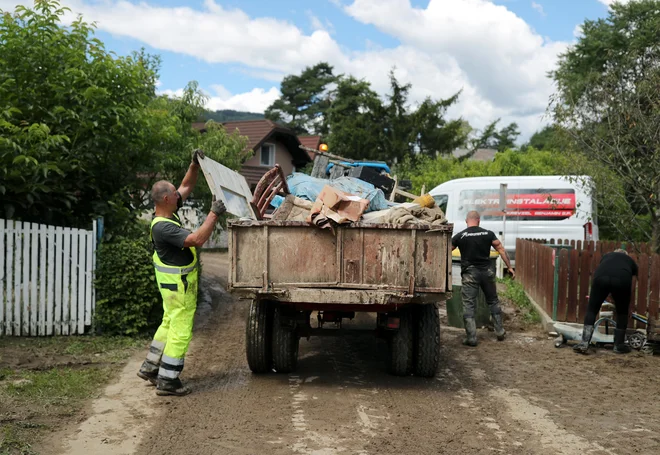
[(230, 187)]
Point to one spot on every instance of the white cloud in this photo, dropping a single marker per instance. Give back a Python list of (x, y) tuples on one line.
[(494, 56), (256, 100), (539, 8), (610, 2)]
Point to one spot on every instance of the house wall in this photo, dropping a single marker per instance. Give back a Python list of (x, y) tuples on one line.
[(282, 157)]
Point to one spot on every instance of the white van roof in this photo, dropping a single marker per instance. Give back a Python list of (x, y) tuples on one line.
[(526, 180)]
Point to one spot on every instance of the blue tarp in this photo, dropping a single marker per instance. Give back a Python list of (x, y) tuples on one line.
[(308, 188), (381, 166)]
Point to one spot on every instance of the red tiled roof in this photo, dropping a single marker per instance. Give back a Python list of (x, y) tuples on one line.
[(311, 142), (257, 131)]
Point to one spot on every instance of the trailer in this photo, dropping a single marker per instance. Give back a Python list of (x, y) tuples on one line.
[(293, 272)]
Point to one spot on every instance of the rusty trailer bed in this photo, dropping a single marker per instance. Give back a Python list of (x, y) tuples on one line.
[(363, 264)]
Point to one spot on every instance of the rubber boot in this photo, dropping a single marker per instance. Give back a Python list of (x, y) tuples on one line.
[(471, 332), (148, 372), (499, 327), (174, 387), (583, 346), (620, 346)]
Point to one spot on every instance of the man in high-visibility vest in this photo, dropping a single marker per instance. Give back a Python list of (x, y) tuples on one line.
[(176, 265)]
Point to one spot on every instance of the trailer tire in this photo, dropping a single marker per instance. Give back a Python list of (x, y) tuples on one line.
[(258, 335), (285, 344), (427, 340), (402, 345)]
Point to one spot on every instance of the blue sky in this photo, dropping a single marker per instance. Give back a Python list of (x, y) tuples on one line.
[(497, 52)]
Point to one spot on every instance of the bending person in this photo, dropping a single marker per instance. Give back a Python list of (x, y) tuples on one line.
[(613, 276)]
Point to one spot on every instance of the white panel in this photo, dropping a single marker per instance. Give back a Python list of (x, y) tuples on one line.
[(66, 284), (34, 250), (50, 287), (230, 187), (80, 314), (90, 302), (18, 251), (43, 248), (73, 285), (57, 318), (8, 284), (25, 281), (3, 293)]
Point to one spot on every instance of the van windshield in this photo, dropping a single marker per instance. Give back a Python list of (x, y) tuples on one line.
[(521, 204), (441, 201)]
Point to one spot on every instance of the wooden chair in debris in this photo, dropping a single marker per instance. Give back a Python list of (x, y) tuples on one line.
[(272, 184)]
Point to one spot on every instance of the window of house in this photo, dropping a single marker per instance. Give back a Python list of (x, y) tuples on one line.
[(268, 155)]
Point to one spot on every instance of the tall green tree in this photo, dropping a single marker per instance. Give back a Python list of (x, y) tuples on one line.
[(548, 138), (355, 120), (608, 101), (82, 131), (304, 100), (492, 138)]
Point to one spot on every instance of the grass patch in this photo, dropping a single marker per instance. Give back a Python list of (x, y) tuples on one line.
[(516, 294), (45, 382)]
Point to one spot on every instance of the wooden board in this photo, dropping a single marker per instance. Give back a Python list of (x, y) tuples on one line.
[(573, 281), (230, 187)]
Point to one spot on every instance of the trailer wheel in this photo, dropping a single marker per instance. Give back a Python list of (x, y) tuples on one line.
[(258, 337), (427, 340), (402, 346), (285, 344)]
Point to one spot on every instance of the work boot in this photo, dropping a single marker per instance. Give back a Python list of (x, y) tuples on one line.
[(620, 346), (583, 346), (165, 387), (148, 372), (471, 332), (499, 328)]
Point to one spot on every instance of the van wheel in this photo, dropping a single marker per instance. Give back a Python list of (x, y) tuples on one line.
[(258, 334), (427, 340), (402, 346)]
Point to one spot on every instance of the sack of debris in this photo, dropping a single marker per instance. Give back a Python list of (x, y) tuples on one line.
[(309, 188)]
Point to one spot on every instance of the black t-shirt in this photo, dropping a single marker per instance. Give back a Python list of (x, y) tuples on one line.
[(474, 243), (616, 265), (168, 240)]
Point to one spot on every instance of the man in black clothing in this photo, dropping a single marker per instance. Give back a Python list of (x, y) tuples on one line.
[(474, 243), (612, 276)]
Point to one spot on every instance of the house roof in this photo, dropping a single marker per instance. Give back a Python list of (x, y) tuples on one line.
[(478, 155), (311, 142), (259, 131)]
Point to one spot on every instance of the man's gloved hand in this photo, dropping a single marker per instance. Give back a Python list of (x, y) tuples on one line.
[(218, 207), (196, 155)]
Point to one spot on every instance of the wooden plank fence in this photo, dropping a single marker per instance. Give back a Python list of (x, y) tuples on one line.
[(46, 279), (566, 299)]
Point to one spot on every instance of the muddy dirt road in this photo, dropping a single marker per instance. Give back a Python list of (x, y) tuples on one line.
[(521, 396)]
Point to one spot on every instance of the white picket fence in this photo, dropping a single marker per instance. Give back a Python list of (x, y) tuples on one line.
[(46, 279)]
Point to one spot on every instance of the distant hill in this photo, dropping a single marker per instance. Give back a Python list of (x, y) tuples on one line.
[(228, 115)]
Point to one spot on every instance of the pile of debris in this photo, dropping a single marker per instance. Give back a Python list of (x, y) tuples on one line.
[(328, 203)]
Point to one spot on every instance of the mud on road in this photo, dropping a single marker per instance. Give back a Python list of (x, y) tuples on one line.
[(521, 396)]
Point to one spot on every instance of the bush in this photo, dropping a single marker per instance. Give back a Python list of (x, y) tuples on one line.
[(128, 300)]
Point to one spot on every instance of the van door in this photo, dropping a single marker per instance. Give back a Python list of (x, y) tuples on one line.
[(486, 201)]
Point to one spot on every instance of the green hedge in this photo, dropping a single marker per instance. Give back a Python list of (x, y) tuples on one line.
[(128, 300)]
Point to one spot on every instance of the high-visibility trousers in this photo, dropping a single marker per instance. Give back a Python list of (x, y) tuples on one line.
[(171, 341)]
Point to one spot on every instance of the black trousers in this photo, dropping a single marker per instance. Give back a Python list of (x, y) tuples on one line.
[(600, 289), (474, 279)]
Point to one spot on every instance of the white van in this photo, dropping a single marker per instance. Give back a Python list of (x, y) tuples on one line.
[(542, 207)]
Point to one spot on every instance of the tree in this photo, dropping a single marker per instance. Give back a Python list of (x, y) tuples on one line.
[(549, 138), (506, 137), (355, 120), (82, 132), (304, 100), (434, 135), (491, 138), (608, 102)]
